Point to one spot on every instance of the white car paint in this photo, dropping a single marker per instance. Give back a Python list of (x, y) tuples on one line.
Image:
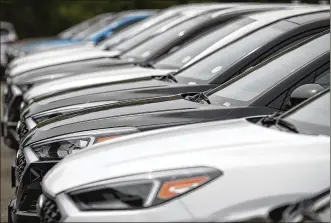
[(51, 53), (253, 166), (72, 57), (99, 77)]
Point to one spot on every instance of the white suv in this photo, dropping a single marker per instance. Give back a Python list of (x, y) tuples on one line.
[(188, 173)]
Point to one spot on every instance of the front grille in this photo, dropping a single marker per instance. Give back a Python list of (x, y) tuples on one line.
[(22, 130), (49, 212), (20, 165), (28, 202), (30, 189)]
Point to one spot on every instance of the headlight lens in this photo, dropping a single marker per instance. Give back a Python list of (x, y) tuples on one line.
[(58, 148), (142, 191)]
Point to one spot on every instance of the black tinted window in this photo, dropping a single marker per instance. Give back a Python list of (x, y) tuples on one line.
[(258, 81), (192, 49)]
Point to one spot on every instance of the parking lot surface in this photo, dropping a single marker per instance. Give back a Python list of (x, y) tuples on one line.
[(7, 157)]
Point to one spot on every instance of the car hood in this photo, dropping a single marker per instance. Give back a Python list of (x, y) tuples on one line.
[(115, 75), (50, 53), (26, 42), (68, 58), (137, 89), (55, 42), (144, 152), (142, 114), (59, 70), (63, 45), (37, 77)]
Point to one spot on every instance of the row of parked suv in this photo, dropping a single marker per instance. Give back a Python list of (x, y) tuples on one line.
[(199, 112)]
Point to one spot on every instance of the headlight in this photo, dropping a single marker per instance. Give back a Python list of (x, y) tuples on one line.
[(142, 191), (59, 147)]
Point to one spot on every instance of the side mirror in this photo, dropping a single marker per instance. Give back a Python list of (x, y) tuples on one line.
[(304, 92)]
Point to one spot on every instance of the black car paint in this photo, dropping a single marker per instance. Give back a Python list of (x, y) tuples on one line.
[(101, 92), (142, 114), (144, 88)]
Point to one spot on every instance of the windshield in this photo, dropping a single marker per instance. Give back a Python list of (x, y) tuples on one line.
[(136, 40), (137, 29), (217, 63), (80, 27), (118, 37), (95, 28), (255, 83), (313, 118), (148, 48), (193, 48)]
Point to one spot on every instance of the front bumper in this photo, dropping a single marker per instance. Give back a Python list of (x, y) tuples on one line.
[(64, 208), (15, 216), (27, 174)]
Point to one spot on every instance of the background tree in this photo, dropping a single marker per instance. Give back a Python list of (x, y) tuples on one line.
[(33, 18)]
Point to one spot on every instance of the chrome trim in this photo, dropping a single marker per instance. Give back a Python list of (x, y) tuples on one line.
[(22, 105), (30, 156), (30, 123), (16, 91), (40, 203), (18, 125)]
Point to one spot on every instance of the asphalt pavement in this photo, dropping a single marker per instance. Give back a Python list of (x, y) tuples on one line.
[(7, 158)]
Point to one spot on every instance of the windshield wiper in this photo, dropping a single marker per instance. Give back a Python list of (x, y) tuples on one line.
[(168, 77), (198, 97), (277, 121)]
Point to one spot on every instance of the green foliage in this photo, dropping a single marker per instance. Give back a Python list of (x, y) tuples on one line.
[(33, 18)]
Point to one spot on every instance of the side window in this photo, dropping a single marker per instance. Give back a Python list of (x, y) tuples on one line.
[(308, 79), (284, 45), (323, 78)]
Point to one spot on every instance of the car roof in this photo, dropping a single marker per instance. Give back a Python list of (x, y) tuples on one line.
[(261, 20), (7, 25)]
